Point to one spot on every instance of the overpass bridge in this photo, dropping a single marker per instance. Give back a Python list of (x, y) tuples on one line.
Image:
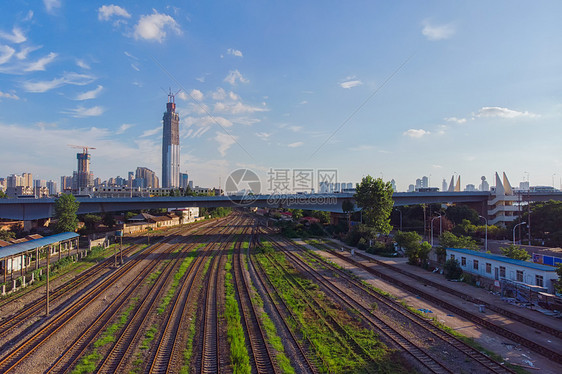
[(33, 209)]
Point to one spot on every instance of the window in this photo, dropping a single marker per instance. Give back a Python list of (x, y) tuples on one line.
[(539, 281), (519, 275), (475, 265), (452, 257), (488, 268), (502, 271), (463, 261)]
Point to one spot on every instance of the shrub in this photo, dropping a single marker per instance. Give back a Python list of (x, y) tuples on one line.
[(452, 269)]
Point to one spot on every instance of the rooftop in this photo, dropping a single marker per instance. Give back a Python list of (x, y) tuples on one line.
[(504, 259), (14, 249)]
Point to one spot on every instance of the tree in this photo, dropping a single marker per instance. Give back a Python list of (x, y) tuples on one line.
[(452, 269), (558, 285), (347, 207), (515, 252), (407, 240), (66, 207), (91, 220), (297, 214), (6, 235), (109, 220), (3, 195), (457, 213), (450, 240), (417, 252), (374, 197)]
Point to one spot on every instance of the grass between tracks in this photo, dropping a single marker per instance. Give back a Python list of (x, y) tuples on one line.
[(334, 349), (467, 340), (89, 362), (190, 256), (188, 352), (239, 356)]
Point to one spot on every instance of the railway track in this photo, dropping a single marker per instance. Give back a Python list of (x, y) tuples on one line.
[(427, 360), (209, 358), (39, 337), (168, 353), (538, 348), (417, 320), (261, 353), (277, 306)]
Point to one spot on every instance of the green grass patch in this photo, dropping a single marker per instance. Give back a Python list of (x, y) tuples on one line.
[(239, 356), (89, 362)]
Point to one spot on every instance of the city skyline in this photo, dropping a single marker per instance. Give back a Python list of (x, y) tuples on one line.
[(395, 90)]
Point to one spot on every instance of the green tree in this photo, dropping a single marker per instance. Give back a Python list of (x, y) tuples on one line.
[(450, 240), (374, 197), (457, 213), (452, 269), (558, 285), (108, 220), (348, 207), (409, 239), (297, 214), (3, 195), (417, 252), (66, 207), (6, 235), (515, 252), (91, 220)]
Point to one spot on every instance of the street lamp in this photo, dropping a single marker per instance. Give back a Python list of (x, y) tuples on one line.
[(486, 240), (514, 227), (441, 228)]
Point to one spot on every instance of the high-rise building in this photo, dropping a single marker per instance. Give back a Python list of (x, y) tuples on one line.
[(27, 180), (393, 184), (444, 185), (52, 186), (184, 180), (170, 145), (65, 183), (83, 177), (130, 178), (484, 186), (146, 178)]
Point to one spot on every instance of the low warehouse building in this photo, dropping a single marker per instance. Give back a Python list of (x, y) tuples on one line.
[(496, 268)]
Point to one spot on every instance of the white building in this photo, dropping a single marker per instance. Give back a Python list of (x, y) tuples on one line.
[(497, 267)]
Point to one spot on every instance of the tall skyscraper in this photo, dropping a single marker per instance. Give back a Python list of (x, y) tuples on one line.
[(146, 178), (83, 177), (171, 145)]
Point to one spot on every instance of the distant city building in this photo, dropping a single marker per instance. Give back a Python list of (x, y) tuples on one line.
[(146, 178), (425, 182), (470, 187), (484, 186), (97, 182), (170, 145), (393, 184), (3, 184), (411, 188), (65, 183), (524, 186), (444, 185), (27, 180), (130, 178), (14, 181), (83, 178), (184, 180), (39, 183), (190, 184), (52, 187)]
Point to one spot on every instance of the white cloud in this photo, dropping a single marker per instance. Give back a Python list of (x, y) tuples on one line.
[(68, 78), (135, 67), (183, 96), (460, 121), (233, 76), (435, 32), (219, 94), (16, 36), (200, 79), (362, 147), (436, 166), (225, 142), (83, 64), (90, 94), (234, 52), (24, 51), (237, 108), (295, 144), (6, 53), (130, 55), (151, 132), (153, 27), (263, 135), (40, 64), (124, 127), (350, 83), (196, 95), (499, 112), (50, 5), (8, 96), (29, 16), (81, 112), (413, 133), (105, 12), (206, 121)]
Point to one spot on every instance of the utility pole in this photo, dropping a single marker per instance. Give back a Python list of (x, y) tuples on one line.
[(48, 264)]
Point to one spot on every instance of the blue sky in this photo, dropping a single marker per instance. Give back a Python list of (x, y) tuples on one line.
[(396, 89)]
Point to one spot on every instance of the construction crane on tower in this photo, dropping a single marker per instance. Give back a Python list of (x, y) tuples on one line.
[(84, 148)]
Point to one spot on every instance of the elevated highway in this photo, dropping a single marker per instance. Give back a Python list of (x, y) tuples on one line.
[(32, 209)]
